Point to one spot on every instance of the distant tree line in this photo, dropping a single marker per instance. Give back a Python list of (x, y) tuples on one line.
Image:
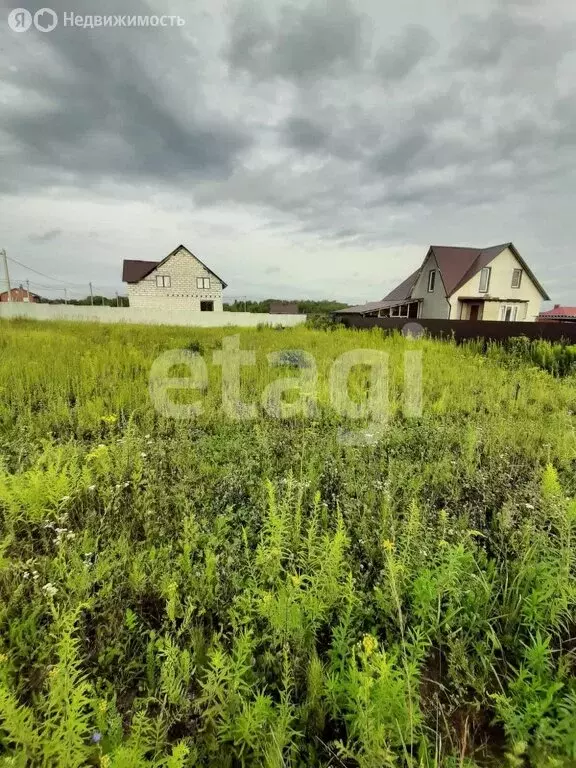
[(305, 307), (98, 301)]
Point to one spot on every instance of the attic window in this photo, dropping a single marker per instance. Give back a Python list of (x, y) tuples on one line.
[(431, 280), (485, 279), (203, 282), (516, 278), (163, 281)]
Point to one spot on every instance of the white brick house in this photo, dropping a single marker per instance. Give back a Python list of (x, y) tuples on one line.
[(180, 281)]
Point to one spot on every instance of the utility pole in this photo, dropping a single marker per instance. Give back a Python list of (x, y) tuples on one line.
[(5, 258), (91, 295), (28, 289), (117, 299)]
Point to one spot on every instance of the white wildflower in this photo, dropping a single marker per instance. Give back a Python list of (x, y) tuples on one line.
[(529, 506), (50, 589), (143, 455), (26, 574), (91, 487)]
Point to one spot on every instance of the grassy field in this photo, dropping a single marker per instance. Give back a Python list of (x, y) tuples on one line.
[(260, 593)]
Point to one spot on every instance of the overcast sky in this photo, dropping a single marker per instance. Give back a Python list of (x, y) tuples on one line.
[(307, 149)]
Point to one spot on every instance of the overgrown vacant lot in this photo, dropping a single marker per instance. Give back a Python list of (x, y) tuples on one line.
[(227, 593)]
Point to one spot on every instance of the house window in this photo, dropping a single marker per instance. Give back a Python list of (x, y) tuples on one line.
[(508, 314), (431, 280), (163, 281), (203, 282), (516, 278), (206, 306), (485, 279)]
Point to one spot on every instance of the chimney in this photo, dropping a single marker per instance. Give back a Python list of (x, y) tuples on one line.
[(556, 306)]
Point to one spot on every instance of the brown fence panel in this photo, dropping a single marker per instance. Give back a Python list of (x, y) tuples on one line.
[(463, 330)]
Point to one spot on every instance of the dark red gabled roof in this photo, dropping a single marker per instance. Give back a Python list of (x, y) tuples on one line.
[(133, 270), (458, 265), (404, 290)]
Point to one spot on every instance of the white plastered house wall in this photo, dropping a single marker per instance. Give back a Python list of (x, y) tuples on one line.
[(188, 284), (527, 298)]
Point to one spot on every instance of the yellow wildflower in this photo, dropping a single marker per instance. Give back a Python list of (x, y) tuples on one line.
[(369, 644), (388, 545)]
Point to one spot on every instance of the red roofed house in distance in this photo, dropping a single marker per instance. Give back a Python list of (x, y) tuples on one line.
[(558, 315)]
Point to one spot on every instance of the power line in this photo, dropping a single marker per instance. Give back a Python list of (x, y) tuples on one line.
[(42, 274), (37, 285)]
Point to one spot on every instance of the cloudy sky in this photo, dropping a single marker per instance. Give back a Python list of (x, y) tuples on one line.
[(302, 149)]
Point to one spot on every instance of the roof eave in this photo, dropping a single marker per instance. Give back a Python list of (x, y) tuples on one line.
[(224, 285), (529, 272), (157, 264), (471, 271)]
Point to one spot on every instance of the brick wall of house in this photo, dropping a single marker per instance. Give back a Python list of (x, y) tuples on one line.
[(19, 294), (183, 269)]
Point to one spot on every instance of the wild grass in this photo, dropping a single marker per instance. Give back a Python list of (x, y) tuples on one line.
[(259, 593)]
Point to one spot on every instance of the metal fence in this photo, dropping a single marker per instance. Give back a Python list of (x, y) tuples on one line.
[(463, 330)]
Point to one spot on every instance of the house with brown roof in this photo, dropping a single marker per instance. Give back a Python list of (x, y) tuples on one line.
[(179, 281), (456, 283), (283, 308)]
